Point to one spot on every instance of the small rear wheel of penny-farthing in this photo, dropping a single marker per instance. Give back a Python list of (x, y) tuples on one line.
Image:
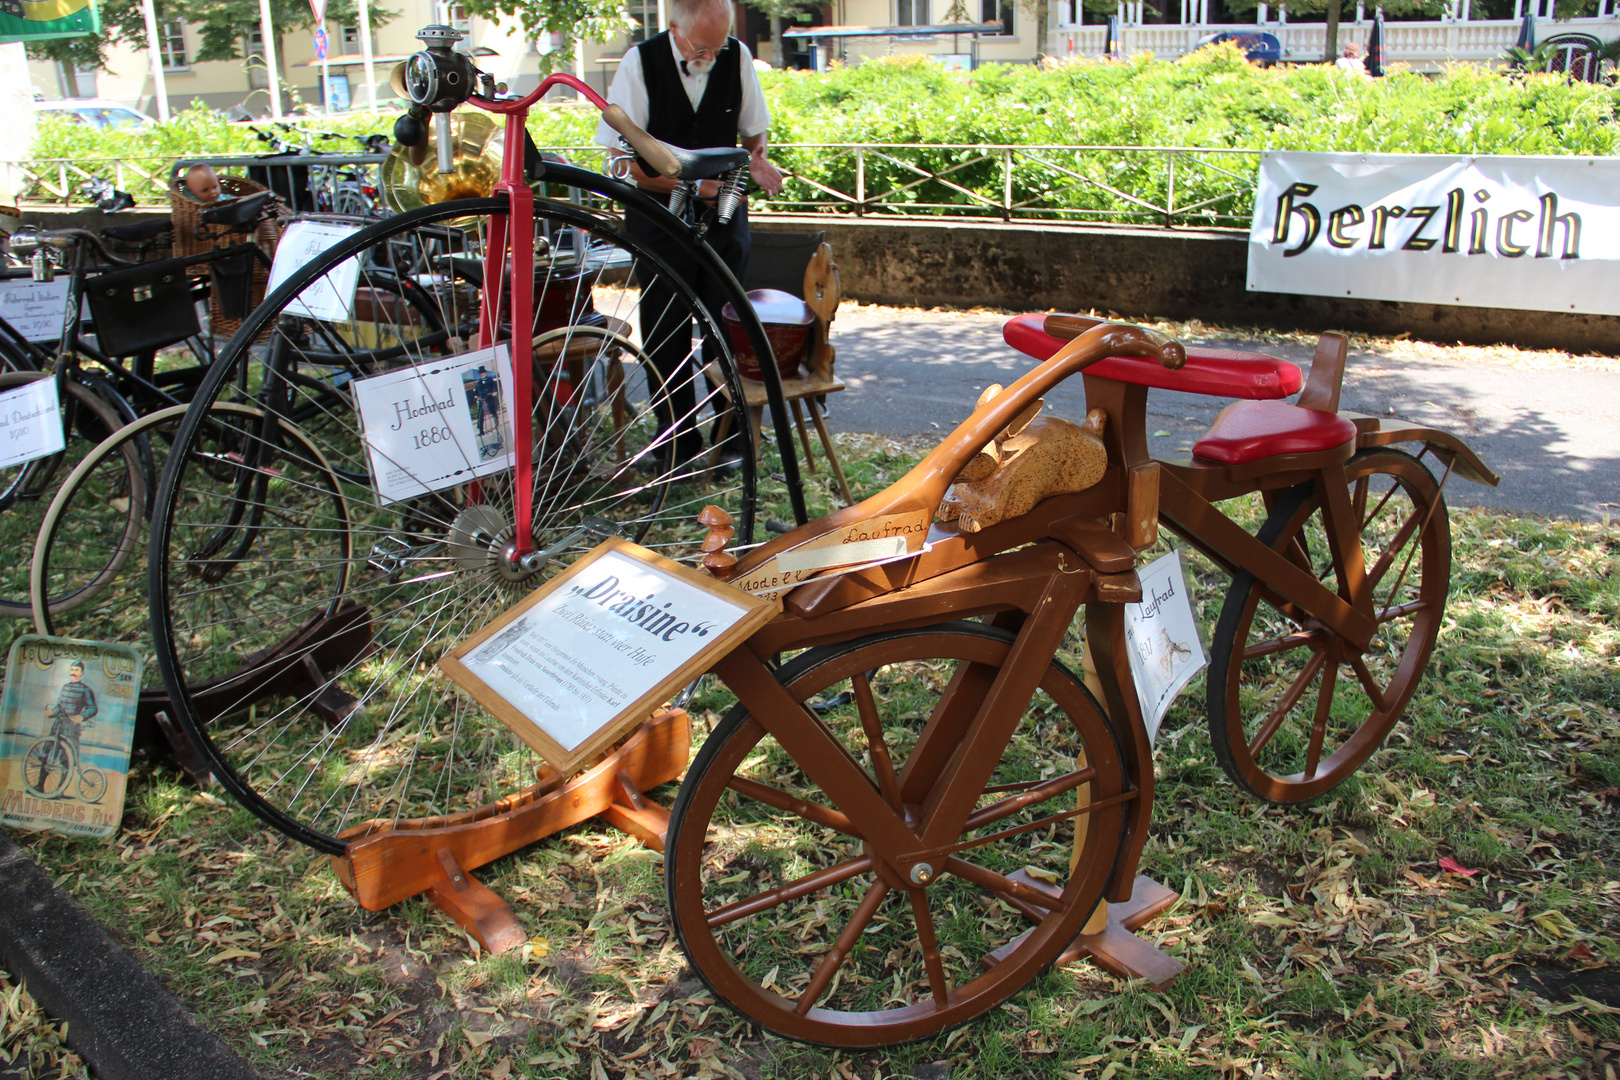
[(1294, 708), (784, 910)]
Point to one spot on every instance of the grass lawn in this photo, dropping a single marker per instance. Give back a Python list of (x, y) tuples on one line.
[(1321, 942)]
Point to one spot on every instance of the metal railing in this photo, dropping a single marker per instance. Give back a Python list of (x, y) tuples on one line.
[(1150, 186), (1125, 185)]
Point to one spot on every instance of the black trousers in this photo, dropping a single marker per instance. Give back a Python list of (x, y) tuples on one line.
[(666, 316)]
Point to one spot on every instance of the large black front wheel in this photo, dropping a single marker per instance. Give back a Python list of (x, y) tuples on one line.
[(298, 615)]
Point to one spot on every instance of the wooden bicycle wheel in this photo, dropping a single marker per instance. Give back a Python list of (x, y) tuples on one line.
[(786, 913), (1294, 708)]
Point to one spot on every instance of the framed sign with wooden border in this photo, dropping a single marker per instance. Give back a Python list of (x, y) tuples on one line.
[(591, 653)]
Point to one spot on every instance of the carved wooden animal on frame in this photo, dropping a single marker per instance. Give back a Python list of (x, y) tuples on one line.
[(1033, 458)]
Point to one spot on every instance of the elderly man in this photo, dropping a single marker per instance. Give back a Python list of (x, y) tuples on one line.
[(693, 86)]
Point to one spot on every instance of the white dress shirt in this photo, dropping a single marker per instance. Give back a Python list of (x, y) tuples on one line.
[(629, 92)]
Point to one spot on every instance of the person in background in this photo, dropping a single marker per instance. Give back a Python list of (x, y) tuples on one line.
[(693, 86), (1350, 59)]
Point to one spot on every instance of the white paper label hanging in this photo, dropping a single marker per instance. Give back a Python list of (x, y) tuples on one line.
[(30, 423), (1163, 638), (438, 424), (35, 309), (331, 296)]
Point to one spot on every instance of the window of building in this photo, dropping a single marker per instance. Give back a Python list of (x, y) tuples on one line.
[(258, 76), (172, 45), (645, 15), (1000, 11), (456, 16), (911, 12)]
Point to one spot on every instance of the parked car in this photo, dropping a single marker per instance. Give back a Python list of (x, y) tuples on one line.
[(95, 112)]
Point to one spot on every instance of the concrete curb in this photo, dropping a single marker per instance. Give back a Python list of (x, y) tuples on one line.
[(120, 1019)]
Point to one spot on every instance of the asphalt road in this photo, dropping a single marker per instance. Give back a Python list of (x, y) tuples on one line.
[(1552, 433)]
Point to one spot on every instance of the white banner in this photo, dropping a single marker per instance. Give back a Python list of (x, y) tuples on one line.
[(1531, 233)]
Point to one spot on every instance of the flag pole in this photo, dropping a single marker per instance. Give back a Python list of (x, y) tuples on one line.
[(160, 89), (267, 29), (365, 54)]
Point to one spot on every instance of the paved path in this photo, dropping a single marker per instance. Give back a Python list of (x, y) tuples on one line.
[(1553, 433)]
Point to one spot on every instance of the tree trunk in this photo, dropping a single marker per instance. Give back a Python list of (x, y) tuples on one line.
[(70, 78), (1330, 43), (778, 43), (1043, 16)]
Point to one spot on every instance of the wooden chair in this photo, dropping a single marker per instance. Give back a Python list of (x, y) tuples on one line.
[(822, 293)]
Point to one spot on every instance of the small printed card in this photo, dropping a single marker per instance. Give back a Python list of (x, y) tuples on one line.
[(36, 309), (1163, 635), (595, 650), (67, 719), (854, 547), (30, 423), (437, 424), (331, 296)]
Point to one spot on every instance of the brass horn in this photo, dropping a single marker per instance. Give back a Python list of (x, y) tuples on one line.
[(411, 177)]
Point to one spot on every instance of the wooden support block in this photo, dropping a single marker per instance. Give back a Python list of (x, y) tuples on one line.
[(1115, 947), (386, 862), (476, 909)]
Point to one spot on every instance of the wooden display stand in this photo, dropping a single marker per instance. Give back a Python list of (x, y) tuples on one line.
[(1109, 938), (385, 863)]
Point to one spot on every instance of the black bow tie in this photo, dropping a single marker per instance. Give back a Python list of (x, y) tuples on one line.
[(684, 70)]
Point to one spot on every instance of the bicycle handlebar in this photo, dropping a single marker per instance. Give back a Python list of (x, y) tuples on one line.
[(64, 240), (652, 150)]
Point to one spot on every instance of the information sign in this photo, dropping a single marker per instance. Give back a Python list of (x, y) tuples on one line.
[(30, 423), (594, 651), (1163, 637), (36, 309), (330, 297), (437, 424)]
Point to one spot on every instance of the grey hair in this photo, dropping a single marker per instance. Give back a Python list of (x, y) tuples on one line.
[(685, 12)]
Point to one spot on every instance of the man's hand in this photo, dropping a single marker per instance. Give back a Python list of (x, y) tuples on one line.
[(766, 175)]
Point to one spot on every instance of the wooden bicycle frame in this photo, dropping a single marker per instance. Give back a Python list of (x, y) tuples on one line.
[(1071, 561)]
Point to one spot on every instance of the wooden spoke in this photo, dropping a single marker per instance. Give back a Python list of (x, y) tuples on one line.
[(1051, 789), (1282, 643), (1364, 675), (1319, 724), (997, 883), (872, 725), (781, 800), (1289, 700), (835, 957), (926, 940), (821, 879)]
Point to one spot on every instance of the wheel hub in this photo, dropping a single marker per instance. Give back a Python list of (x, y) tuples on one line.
[(481, 539)]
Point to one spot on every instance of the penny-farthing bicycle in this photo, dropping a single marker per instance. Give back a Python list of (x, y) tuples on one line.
[(297, 617)]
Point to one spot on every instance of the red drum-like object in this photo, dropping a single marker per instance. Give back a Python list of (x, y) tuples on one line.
[(787, 320)]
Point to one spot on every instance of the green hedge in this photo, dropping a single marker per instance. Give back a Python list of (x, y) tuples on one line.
[(1211, 98)]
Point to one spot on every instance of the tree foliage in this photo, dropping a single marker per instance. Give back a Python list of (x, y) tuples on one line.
[(222, 25), (120, 23), (569, 21)]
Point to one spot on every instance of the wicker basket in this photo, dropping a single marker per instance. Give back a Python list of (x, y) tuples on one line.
[(193, 237)]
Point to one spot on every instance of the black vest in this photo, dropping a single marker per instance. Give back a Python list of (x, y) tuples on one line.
[(670, 116)]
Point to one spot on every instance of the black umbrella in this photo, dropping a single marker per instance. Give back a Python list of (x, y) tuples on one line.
[(1375, 47), (1111, 40), (1527, 32)]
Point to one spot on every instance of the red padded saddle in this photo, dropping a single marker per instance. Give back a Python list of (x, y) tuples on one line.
[(1247, 431), (1216, 372)]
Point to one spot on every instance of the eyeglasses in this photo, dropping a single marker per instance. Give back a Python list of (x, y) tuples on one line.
[(697, 53)]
